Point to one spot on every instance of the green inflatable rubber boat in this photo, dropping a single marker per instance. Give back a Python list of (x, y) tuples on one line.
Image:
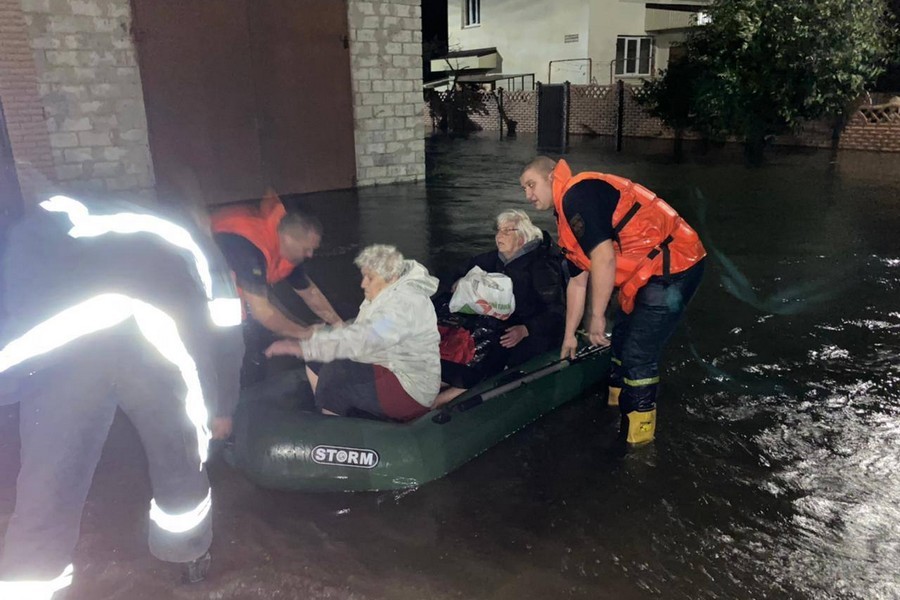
[(278, 446)]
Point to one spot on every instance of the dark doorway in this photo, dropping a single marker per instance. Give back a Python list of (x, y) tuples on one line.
[(10, 193), (246, 94), (435, 41)]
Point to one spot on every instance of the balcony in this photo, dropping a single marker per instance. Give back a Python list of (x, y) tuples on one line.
[(671, 16), (480, 60)]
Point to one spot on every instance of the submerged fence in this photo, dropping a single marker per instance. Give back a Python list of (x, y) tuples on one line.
[(593, 110)]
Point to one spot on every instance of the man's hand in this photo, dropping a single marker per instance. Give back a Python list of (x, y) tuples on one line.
[(513, 336), (597, 330), (569, 347), (285, 348), (221, 428)]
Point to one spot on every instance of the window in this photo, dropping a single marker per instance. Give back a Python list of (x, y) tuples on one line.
[(634, 56), (472, 16)]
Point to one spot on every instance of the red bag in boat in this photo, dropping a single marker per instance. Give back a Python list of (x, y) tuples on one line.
[(457, 344)]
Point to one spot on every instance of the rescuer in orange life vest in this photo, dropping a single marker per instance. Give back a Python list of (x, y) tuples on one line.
[(618, 234), (265, 245)]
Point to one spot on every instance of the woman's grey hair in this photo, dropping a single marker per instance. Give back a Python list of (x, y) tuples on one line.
[(381, 259), (522, 223)]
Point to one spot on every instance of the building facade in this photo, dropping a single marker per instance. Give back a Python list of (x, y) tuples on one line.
[(581, 41)]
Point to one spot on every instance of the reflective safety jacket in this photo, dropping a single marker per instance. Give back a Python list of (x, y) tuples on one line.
[(259, 225), (73, 268), (648, 235)]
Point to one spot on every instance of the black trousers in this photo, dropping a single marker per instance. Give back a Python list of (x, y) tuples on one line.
[(255, 367), (67, 404), (638, 339)]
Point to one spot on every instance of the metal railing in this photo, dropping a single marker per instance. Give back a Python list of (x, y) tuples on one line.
[(562, 60)]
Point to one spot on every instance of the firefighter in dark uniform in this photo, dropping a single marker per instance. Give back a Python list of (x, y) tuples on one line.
[(109, 305)]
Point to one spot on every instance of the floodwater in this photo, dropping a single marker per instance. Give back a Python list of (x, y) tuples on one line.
[(775, 473)]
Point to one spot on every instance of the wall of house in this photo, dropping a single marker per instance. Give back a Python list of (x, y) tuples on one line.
[(90, 90), (386, 67), (527, 35), (528, 38), (608, 20), (662, 43)]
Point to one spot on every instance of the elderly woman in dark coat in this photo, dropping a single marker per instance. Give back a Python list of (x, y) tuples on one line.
[(527, 256)]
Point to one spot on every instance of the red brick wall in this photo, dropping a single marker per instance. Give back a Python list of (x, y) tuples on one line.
[(882, 136), (491, 120), (592, 109), (22, 106), (519, 106)]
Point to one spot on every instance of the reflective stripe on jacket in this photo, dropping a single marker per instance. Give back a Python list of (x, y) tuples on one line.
[(649, 236)]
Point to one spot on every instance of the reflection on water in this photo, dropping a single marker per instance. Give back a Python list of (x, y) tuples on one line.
[(777, 468)]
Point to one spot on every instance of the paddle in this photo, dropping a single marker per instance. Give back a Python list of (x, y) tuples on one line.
[(513, 381)]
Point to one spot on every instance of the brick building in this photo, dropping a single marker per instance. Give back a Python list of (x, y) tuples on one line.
[(114, 97)]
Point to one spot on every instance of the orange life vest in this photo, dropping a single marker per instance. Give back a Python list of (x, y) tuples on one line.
[(649, 236), (259, 225)]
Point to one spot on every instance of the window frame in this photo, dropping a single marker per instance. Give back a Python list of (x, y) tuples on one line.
[(621, 64), (471, 13)]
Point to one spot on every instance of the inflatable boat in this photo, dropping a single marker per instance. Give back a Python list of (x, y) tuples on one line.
[(279, 446)]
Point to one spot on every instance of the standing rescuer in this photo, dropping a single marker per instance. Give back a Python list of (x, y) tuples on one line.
[(621, 235), (265, 245), (111, 305)]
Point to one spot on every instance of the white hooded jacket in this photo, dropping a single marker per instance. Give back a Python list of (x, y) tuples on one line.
[(397, 330)]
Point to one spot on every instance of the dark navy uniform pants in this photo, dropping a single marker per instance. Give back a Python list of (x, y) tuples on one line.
[(67, 403), (639, 338)]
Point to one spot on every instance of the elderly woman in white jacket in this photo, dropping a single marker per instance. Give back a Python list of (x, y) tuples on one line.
[(387, 362)]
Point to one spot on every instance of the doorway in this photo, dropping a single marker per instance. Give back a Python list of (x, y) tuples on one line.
[(247, 94)]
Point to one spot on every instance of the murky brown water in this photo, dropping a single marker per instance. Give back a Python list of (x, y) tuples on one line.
[(775, 474)]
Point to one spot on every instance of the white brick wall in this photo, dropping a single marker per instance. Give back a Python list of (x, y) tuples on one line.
[(386, 66), (90, 87)]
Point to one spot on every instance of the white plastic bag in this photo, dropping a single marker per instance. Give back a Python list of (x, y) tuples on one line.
[(483, 293)]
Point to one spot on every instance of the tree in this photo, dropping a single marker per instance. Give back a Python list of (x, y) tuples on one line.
[(450, 110), (760, 68)]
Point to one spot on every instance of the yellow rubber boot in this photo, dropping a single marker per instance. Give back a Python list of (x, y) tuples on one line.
[(641, 427), (613, 399)]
